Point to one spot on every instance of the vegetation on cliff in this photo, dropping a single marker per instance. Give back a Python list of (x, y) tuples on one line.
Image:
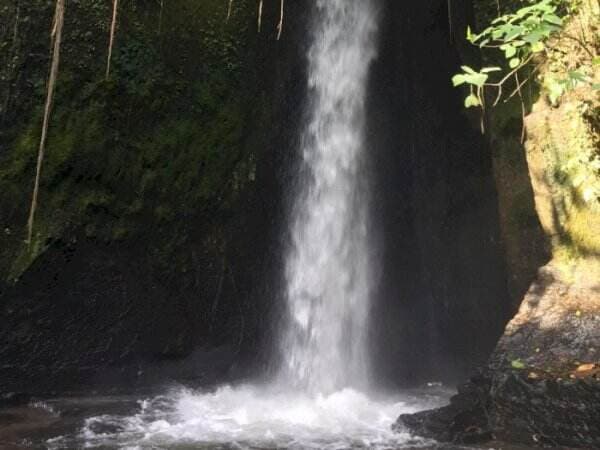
[(563, 145), (541, 385), (539, 87), (164, 136)]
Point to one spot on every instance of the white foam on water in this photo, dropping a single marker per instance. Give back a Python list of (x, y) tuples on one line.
[(252, 417)]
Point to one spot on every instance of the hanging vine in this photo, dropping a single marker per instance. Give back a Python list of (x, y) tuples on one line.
[(55, 40), (160, 16), (280, 24), (260, 13), (229, 8), (111, 42)]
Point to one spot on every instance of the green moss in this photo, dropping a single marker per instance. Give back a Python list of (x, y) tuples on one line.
[(558, 164), (164, 138), (567, 135)]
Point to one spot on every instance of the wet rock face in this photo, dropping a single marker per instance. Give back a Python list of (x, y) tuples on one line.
[(558, 324), (542, 383), (434, 206), (552, 411), (464, 421), (188, 301), (510, 407), (87, 315), (554, 396)]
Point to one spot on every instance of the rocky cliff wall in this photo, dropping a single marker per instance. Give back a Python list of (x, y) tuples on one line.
[(541, 384), (443, 276), (161, 198)]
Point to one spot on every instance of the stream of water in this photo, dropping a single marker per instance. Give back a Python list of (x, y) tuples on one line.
[(322, 396), (328, 267)]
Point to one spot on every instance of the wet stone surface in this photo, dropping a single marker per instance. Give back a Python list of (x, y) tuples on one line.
[(542, 384)]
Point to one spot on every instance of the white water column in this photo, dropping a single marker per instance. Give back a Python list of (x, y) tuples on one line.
[(328, 270)]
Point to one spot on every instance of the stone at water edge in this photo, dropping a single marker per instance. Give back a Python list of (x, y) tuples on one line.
[(554, 336), (12, 399), (463, 421)]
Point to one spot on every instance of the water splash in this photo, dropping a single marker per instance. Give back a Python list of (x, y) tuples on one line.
[(328, 268), (253, 417)]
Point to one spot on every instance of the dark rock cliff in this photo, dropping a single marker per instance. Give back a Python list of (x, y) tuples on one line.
[(442, 297), (541, 384), (157, 248), (155, 256)]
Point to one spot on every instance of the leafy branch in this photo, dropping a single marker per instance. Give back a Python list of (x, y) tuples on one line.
[(519, 36)]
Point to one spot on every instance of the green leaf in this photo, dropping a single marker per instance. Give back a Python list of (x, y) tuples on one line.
[(514, 32), (550, 28), (514, 63), (490, 69), (535, 36), (517, 364), (577, 76), (458, 79), (476, 79), (551, 18), (556, 88), (470, 36), (596, 61), (472, 100), (509, 51), (538, 47)]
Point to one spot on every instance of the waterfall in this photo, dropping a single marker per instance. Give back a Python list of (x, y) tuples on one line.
[(327, 266), (321, 397)]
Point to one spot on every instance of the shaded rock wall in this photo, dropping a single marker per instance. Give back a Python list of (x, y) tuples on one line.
[(443, 279), (541, 385), (157, 252), (156, 245)]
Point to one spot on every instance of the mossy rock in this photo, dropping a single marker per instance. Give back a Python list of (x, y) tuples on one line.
[(164, 138)]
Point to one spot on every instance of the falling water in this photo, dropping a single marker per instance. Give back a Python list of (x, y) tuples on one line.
[(319, 399), (328, 268)]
